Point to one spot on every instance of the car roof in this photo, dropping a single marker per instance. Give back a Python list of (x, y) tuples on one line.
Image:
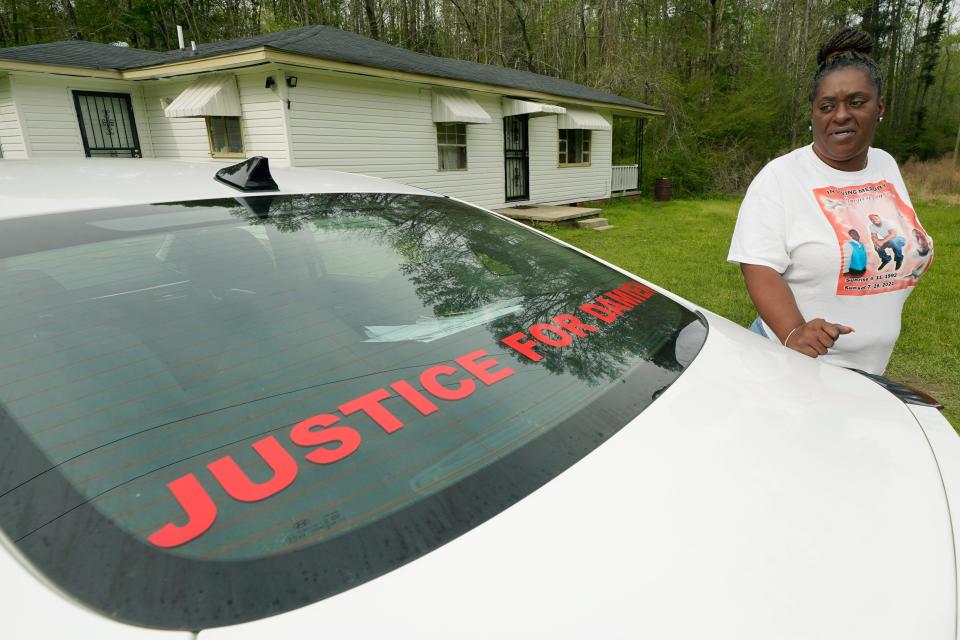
[(31, 187)]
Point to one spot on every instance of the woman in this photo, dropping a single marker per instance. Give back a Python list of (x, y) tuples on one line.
[(792, 234)]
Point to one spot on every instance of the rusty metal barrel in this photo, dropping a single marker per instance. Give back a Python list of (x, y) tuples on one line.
[(663, 189)]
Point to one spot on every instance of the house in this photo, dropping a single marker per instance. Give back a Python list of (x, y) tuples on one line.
[(318, 96)]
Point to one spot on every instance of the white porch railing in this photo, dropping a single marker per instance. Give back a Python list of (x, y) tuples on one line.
[(624, 178)]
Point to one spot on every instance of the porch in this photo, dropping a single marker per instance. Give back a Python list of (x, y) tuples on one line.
[(625, 180)]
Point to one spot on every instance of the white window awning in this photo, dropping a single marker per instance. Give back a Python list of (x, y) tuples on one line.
[(208, 96), (513, 107), (458, 107), (583, 119)]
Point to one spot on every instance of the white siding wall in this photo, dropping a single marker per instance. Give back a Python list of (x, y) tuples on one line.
[(552, 184), (378, 127), (264, 120), (49, 118), (174, 138), (264, 130), (385, 128), (11, 140)]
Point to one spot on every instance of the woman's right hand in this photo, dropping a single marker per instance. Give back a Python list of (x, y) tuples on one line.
[(778, 308), (813, 338)]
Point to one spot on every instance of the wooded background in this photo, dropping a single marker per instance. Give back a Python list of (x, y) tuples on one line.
[(733, 75)]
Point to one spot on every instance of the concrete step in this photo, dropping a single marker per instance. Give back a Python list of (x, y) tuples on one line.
[(604, 228), (548, 213), (592, 223)]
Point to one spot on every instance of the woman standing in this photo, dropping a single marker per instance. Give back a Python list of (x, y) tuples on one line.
[(792, 234)]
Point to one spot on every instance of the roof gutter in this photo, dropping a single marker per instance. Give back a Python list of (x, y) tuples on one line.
[(224, 61), (63, 70)]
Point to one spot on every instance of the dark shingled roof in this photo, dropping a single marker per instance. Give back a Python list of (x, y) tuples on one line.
[(80, 53), (319, 42)]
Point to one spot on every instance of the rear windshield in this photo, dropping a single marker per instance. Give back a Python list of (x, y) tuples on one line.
[(214, 411)]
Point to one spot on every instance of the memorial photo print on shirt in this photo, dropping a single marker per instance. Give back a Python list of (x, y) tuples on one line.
[(883, 246)]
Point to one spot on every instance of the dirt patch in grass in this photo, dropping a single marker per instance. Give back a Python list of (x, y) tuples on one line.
[(933, 180)]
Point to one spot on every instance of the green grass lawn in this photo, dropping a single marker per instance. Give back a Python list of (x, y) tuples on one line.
[(682, 246)]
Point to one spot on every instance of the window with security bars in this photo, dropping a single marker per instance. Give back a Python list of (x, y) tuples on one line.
[(107, 125), (574, 146), (452, 147), (224, 135)]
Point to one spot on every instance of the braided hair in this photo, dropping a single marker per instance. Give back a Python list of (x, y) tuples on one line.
[(847, 48)]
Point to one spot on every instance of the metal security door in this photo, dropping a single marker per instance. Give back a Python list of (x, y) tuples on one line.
[(516, 158), (107, 126)]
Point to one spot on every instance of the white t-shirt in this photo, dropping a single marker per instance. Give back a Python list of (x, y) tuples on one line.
[(796, 218)]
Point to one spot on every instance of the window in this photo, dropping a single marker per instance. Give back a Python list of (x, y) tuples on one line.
[(452, 147), (574, 146), (224, 135), (200, 340)]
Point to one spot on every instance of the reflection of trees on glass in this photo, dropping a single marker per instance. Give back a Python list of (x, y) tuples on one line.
[(460, 259)]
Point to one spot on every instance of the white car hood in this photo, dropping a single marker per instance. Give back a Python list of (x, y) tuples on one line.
[(764, 495)]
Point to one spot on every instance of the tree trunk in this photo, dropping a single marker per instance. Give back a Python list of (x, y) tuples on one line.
[(369, 7), (892, 66), (602, 33), (70, 15), (585, 56), (528, 49), (943, 85), (798, 95), (471, 30), (956, 150)]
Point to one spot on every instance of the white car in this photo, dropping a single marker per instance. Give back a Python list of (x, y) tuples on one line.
[(312, 404)]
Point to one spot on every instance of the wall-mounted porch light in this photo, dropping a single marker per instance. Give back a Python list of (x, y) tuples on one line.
[(291, 81), (269, 83)]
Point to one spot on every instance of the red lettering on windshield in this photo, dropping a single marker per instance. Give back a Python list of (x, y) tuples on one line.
[(550, 335), (429, 381), (334, 442), (572, 324), (239, 486), (607, 307), (625, 298), (307, 434), (419, 401), (615, 307), (642, 292), (370, 404), (199, 507), (597, 311), (482, 370), (521, 346)]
